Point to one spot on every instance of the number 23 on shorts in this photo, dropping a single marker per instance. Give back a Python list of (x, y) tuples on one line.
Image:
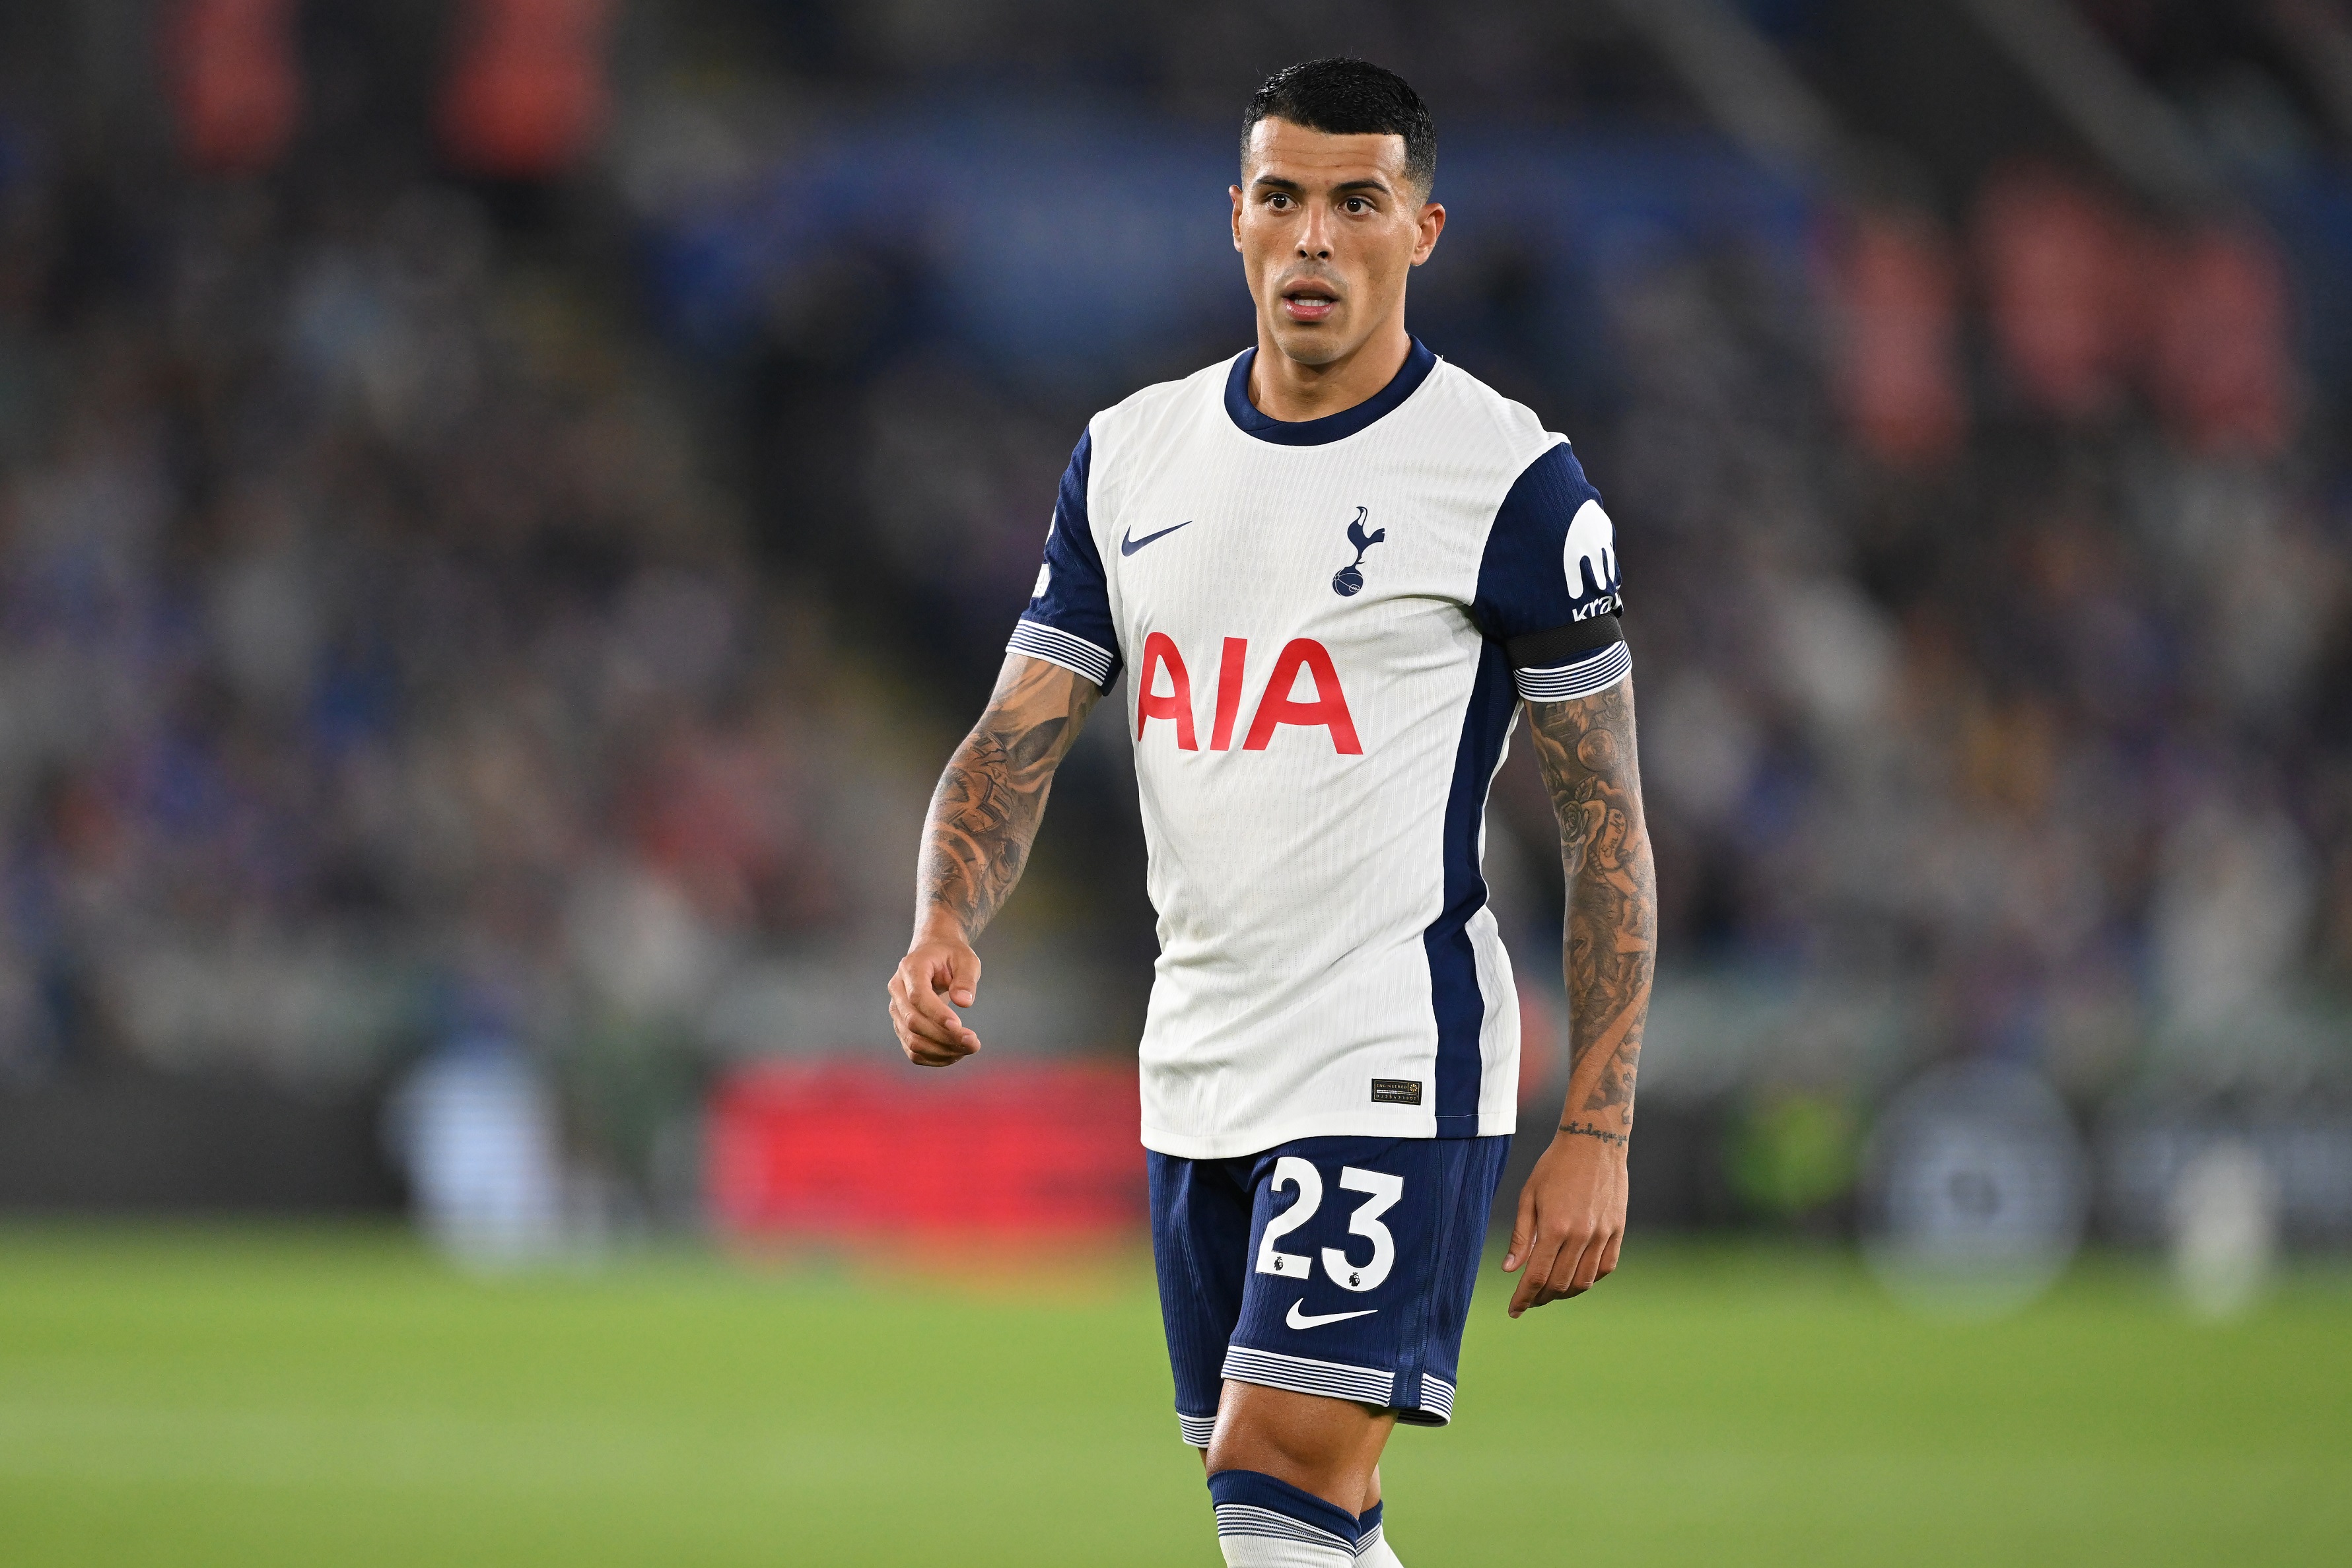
[(1383, 1192)]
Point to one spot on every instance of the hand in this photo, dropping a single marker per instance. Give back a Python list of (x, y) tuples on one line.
[(937, 970), (1572, 1220)]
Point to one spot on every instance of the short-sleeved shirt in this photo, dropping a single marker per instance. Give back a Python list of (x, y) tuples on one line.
[(1326, 627)]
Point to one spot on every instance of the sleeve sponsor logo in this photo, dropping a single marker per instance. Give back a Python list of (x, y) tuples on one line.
[(1589, 556)]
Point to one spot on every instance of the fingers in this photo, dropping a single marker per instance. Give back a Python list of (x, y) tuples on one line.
[(1523, 1231), (1551, 1283), (926, 1045), (962, 975), (929, 1017), (1542, 1254), (922, 1049), (1580, 1264), (1580, 1279), (1560, 1262)]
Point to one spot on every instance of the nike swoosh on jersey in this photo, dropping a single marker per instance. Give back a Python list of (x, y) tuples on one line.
[(1299, 1320), (1128, 544)]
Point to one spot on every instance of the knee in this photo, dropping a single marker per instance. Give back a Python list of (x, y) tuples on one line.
[(1273, 1449), (1328, 1447)]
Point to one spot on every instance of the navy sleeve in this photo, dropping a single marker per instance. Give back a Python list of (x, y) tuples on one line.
[(1068, 619), (1549, 589)]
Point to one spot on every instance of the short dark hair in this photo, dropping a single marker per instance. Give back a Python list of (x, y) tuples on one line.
[(1342, 97)]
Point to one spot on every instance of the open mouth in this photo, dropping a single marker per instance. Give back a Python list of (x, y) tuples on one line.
[(1307, 302)]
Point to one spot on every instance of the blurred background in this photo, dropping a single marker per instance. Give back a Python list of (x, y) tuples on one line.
[(505, 505)]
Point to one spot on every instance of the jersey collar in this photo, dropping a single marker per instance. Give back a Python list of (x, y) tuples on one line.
[(1331, 426)]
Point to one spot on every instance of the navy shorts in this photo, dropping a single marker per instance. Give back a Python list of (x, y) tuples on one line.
[(1333, 1265)]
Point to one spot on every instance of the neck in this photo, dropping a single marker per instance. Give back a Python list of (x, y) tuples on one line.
[(1291, 391)]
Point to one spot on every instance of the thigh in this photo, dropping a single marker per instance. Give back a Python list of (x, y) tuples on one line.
[(1199, 1250)]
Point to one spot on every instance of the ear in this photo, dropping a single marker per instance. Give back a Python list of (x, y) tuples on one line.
[(1431, 224), (1236, 192)]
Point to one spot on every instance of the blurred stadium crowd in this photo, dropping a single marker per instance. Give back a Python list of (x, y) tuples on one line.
[(379, 665), (461, 580)]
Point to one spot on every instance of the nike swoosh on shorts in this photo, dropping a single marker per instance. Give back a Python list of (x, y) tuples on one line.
[(1128, 544), (1299, 1320)]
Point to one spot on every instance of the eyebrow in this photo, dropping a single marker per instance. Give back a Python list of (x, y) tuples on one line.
[(1275, 181)]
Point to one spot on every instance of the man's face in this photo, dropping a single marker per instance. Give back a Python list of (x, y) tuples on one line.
[(1328, 226)]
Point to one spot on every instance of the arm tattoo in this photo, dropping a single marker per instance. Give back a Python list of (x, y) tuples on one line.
[(1586, 750), (985, 812)]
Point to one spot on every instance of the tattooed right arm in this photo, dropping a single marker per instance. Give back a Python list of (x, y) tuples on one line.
[(985, 812), (976, 838)]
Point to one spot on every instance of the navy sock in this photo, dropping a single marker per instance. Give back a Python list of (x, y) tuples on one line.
[(1373, 1542)]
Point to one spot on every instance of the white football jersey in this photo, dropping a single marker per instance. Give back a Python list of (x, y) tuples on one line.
[(1329, 626)]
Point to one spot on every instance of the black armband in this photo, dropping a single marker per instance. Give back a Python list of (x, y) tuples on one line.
[(1564, 644)]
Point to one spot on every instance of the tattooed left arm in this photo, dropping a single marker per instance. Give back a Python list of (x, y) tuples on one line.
[(1571, 1216)]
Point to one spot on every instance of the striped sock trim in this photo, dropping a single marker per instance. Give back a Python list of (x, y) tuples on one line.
[(1564, 683), (1247, 1519), (1057, 646), (1251, 1504), (1197, 1429), (1368, 1530), (1304, 1374)]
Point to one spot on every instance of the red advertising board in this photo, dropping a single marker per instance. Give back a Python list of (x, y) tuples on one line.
[(841, 1150)]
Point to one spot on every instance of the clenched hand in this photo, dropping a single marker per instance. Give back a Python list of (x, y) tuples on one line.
[(938, 970)]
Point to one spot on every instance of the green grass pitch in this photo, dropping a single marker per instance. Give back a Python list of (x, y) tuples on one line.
[(323, 1396)]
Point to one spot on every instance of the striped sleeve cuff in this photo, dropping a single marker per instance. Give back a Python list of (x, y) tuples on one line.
[(1055, 646), (1564, 683)]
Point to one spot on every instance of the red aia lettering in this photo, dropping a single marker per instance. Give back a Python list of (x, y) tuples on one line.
[(1160, 649), (1275, 706), (1330, 709), (1229, 692)]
